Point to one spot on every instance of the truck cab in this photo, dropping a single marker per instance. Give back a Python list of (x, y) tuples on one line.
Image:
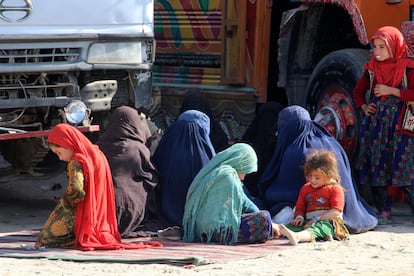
[(55, 52)]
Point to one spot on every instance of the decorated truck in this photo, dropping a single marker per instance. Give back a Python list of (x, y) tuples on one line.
[(62, 59), (242, 53)]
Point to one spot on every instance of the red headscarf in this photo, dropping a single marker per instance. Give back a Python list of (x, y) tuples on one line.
[(391, 71), (96, 224)]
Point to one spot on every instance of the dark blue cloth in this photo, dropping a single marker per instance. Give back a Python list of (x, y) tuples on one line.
[(283, 177), (261, 135), (197, 101), (182, 151)]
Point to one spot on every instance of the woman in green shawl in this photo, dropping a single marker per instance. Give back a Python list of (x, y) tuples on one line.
[(217, 210)]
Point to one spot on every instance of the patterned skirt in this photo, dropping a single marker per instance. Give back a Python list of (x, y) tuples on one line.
[(57, 232), (254, 228), (386, 155)]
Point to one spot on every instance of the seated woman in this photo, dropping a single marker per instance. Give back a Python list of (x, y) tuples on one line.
[(283, 177), (197, 101), (135, 178), (182, 151), (261, 135), (217, 210)]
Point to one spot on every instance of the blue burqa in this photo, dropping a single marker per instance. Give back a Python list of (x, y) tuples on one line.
[(182, 151), (283, 177)]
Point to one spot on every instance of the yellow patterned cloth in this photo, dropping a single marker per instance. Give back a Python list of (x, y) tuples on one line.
[(58, 229)]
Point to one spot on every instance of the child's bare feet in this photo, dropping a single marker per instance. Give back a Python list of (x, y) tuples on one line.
[(276, 230), (293, 239), (329, 238)]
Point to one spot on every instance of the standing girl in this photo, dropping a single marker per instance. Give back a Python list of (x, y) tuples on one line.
[(386, 153), (319, 207)]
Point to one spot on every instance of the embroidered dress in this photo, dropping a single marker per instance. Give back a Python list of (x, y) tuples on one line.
[(58, 229), (387, 153), (255, 227)]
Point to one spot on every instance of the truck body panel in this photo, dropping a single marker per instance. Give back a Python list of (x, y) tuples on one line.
[(204, 45), (306, 52)]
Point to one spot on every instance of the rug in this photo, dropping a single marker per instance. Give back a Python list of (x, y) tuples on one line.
[(20, 245)]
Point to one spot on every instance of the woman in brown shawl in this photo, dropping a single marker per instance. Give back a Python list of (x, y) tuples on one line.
[(135, 178)]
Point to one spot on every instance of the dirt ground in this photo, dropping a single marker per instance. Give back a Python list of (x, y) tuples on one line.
[(387, 250)]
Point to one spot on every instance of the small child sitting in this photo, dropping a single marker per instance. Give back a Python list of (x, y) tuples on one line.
[(319, 207)]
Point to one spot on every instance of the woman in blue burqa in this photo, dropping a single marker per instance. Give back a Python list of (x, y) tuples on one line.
[(283, 177), (217, 210), (182, 151)]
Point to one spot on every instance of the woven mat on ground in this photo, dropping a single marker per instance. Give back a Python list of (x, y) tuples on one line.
[(17, 245)]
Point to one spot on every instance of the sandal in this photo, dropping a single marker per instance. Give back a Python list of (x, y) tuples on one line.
[(174, 233), (384, 218)]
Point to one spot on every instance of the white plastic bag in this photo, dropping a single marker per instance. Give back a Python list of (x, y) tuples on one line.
[(284, 216)]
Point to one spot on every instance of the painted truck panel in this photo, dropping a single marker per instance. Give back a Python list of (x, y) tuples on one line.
[(292, 49)]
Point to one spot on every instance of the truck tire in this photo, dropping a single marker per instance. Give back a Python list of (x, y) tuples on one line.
[(330, 95)]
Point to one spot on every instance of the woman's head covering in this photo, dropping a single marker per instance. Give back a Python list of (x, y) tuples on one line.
[(132, 125), (197, 101), (182, 151), (215, 197), (283, 177), (135, 177), (261, 135), (95, 225), (390, 71)]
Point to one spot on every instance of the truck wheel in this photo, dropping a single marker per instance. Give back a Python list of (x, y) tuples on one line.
[(330, 98)]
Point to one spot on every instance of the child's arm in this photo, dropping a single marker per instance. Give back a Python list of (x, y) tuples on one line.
[(330, 214), (408, 94), (300, 209), (360, 89), (75, 192)]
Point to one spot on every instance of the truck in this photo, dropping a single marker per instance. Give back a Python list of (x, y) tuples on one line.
[(56, 53), (243, 53)]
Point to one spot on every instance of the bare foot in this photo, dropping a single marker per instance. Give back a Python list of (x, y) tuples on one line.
[(276, 230), (293, 239), (329, 238)]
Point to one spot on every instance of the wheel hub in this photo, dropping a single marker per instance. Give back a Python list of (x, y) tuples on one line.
[(337, 115)]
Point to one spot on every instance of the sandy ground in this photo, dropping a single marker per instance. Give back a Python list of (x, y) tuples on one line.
[(387, 250)]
